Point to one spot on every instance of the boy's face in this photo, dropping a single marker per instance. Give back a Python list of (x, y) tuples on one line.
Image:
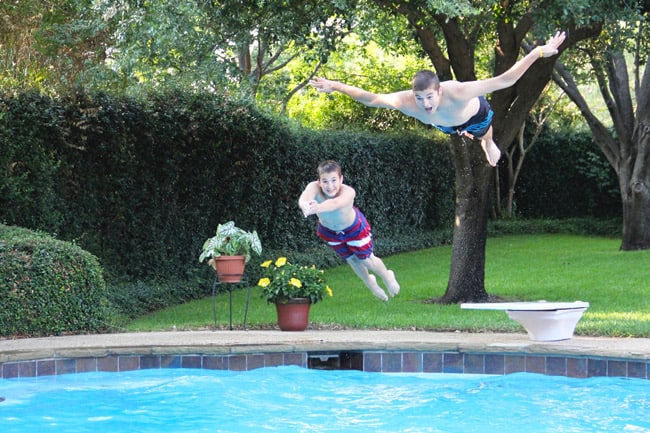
[(427, 99), (330, 183)]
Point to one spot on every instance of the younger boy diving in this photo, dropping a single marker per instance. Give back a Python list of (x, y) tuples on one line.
[(345, 228)]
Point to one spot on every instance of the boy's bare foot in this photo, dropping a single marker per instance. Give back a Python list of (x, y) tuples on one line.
[(375, 289), (392, 284), (492, 152)]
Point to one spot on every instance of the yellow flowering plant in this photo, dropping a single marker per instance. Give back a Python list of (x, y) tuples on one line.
[(283, 281)]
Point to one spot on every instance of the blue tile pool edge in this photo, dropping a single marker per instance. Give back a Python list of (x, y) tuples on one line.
[(385, 361)]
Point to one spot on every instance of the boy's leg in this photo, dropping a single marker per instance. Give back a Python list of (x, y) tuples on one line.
[(492, 151), (368, 279), (377, 266)]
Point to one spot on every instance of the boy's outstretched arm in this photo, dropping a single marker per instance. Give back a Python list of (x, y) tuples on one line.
[(310, 205), (344, 199), (307, 200), (472, 89), (376, 100)]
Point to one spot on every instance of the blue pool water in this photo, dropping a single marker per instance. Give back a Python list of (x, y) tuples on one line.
[(293, 399)]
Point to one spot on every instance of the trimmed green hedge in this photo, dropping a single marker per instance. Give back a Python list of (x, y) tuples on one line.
[(48, 287), (143, 184), (566, 176)]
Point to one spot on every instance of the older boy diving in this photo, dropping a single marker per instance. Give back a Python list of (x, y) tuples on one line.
[(452, 106)]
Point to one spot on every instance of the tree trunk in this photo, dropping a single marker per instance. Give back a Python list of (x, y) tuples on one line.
[(635, 195), (473, 185), (628, 150), (636, 218)]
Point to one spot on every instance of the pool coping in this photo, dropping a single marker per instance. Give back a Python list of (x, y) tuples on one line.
[(381, 350)]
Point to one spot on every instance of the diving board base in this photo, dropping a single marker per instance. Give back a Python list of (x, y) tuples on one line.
[(544, 321)]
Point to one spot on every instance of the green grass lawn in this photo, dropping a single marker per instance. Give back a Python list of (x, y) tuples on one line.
[(524, 268)]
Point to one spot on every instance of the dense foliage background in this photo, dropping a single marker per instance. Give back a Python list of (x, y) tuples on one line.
[(142, 183)]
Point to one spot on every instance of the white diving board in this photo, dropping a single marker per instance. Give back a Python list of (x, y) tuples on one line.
[(544, 321)]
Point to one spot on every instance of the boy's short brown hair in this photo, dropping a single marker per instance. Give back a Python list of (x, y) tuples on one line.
[(328, 167), (424, 80)]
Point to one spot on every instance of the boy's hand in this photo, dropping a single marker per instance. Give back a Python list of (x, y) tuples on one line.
[(322, 85), (551, 47), (309, 208)]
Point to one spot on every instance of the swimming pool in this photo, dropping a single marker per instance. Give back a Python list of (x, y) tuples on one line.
[(295, 399)]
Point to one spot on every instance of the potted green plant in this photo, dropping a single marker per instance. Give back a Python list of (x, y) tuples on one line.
[(229, 251), (293, 289)]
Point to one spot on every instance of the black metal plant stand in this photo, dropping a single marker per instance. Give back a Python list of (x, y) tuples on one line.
[(230, 287)]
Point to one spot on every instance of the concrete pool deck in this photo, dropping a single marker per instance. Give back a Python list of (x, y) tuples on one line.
[(268, 341)]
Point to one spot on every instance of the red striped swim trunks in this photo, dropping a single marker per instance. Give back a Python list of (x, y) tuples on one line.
[(354, 240)]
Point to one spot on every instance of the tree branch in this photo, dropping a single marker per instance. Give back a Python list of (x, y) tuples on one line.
[(301, 85), (602, 137)]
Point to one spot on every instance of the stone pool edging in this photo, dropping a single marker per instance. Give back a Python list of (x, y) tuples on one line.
[(372, 351)]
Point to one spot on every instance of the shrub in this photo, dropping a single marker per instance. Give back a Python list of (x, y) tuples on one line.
[(48, 287), (575, 226), (566, 176), (137, 298)]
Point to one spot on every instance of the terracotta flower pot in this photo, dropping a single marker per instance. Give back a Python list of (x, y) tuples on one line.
[(294, 315), (229, 268)]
